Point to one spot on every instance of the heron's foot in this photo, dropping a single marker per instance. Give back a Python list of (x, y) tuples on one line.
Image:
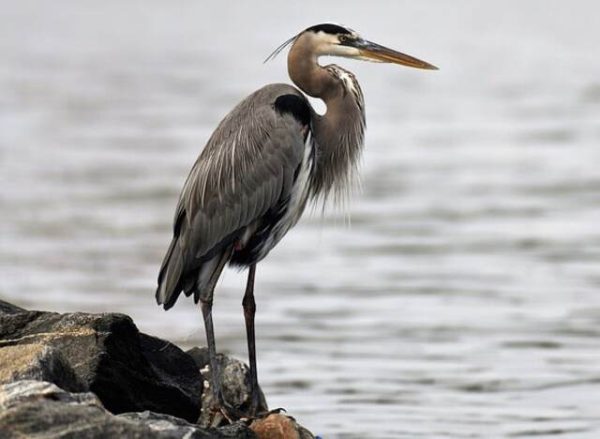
[(264, 414), (222, 410), (253, 412)]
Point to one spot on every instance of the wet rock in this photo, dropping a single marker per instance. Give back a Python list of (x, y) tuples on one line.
[(43, 410), (235, 382), (102, 353)]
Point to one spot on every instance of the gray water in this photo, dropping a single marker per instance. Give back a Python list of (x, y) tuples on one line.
[(461, 300)]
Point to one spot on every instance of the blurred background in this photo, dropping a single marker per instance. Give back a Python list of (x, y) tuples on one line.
[(461, 301)]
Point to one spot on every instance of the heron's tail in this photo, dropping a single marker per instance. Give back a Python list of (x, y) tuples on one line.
[(176, 276), (170, 277)]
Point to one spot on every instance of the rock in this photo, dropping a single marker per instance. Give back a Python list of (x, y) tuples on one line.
[(37, 361), (27, 391), (102, 353), (44, 411), (9, 308), (41, 409), (279, 426), (86, 376), (165, 423), (235, 382)]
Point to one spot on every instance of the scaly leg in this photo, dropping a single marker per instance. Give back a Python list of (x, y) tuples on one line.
[(249, 306), (206, 301), (206, 306)]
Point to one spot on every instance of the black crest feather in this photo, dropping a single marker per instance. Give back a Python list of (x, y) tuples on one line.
[(329, 28)]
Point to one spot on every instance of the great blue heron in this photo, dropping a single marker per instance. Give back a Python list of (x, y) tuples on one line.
[(266, 159)]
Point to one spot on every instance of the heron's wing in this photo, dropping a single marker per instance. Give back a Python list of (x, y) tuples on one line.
[(247, 166)]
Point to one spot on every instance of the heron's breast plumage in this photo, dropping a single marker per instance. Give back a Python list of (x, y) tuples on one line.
[(291, 210), (261, 236)]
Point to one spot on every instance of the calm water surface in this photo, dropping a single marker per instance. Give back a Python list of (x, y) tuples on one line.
[(461, 301)]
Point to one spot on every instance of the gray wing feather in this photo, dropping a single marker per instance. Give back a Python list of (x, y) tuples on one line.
[(247, 166)]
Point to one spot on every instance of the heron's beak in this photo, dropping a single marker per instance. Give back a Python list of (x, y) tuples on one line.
[(370, 51)]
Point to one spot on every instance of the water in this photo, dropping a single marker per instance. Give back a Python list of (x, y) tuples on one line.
[(463, 299)]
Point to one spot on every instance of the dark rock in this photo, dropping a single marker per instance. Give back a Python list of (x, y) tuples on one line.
[(52, 419), (166, 423), (27, 391), (102, 353), (9, 308), (42, 410), (114, 382), (235, 384)]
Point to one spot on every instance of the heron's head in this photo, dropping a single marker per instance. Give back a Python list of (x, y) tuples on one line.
[(330, 39)]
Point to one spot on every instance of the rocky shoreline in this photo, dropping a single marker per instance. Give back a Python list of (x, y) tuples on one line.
[(80, 375)]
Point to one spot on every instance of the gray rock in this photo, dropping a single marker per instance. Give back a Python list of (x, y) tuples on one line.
[(44, 411), (102, 353), (9, 308), (235, 382), (95, 376), (165, 423), (28, 391), (37, 361)]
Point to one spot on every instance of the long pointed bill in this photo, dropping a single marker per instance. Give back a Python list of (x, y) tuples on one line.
[(374, 52)]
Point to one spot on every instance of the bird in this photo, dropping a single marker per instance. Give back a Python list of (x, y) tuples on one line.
[(267, 159)]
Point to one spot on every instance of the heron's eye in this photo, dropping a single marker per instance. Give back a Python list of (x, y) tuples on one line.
[(343, 38)]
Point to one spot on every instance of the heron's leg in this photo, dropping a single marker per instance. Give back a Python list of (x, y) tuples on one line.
[(206, 302), (249, 311), (206, 305)]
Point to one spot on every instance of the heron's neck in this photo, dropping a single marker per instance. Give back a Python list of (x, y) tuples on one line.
[(338, 135), (307, 74)]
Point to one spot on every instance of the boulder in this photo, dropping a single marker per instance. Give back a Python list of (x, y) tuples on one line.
[(9, 308), (44, 411), (235, 384), (165, 423), (37, 361), (101, 353), (80, 375)]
